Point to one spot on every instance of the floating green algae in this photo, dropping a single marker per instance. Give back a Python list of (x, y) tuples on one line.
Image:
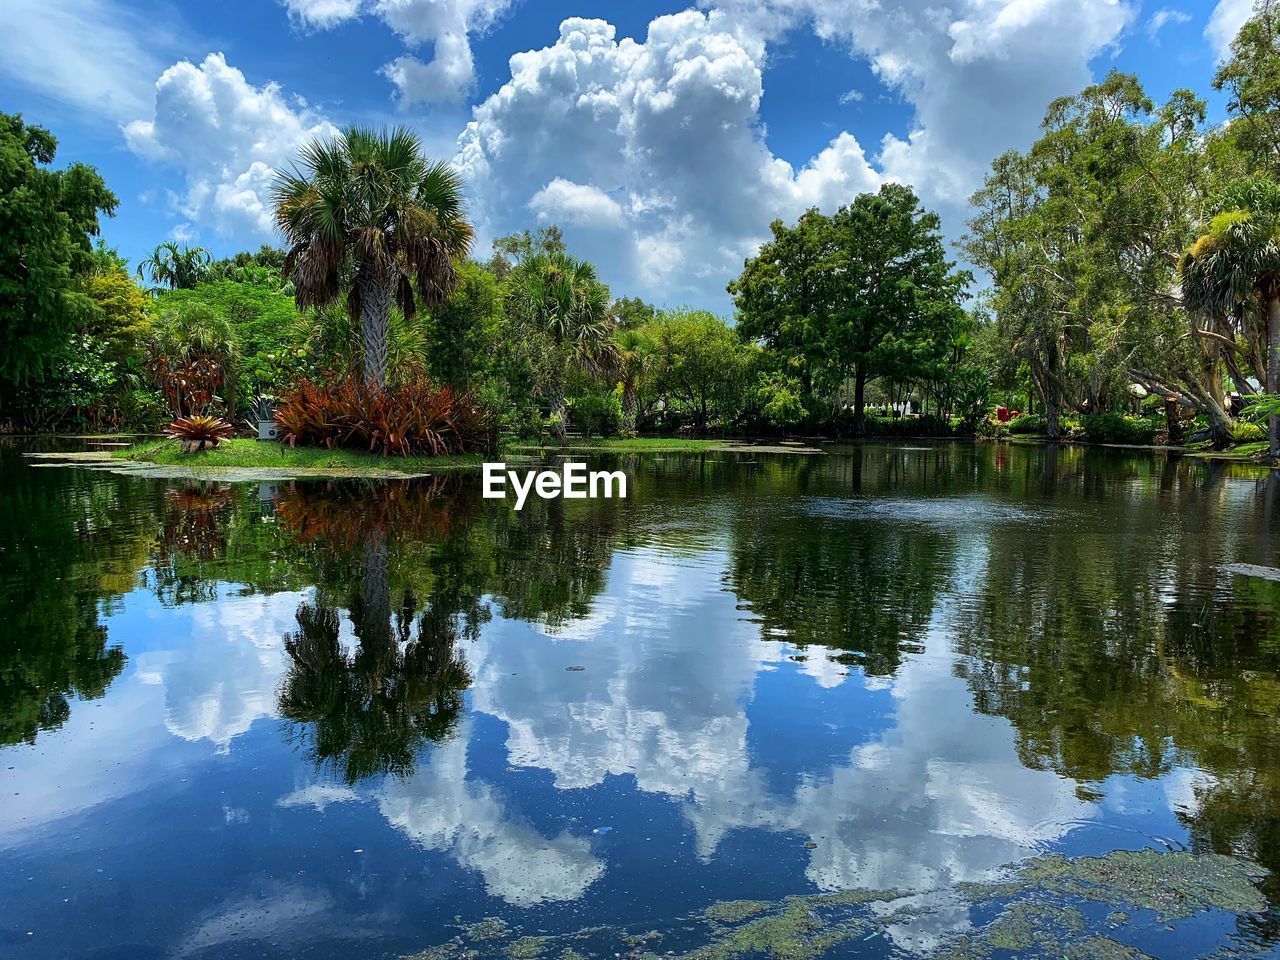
[(1036, 908), (735, 911), (795, 933), (1102, 948), (1173, 885), (490, 928), (528, 948), (1033, 923)]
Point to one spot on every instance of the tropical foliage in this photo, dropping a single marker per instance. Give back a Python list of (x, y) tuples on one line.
[(200, 430), (47, 218), (176, 266), (417, 418), (1134, 295), (369, 217)]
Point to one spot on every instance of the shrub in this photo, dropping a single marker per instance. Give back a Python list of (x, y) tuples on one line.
[(1242, 431), (1116, 428), (992, 429), (417, 418), (199, 431), (143, 409), (780, 400), (596, 414), (524, 421), (1029, 423), (923, 426), (192, 357)]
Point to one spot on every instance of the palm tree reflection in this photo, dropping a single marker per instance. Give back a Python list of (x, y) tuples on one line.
[(370, 710)]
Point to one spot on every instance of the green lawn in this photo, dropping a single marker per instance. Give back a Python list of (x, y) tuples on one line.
[(1241, 453), (257, 454)]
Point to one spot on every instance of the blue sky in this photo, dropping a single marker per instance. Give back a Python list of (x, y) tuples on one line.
[(663, 137)]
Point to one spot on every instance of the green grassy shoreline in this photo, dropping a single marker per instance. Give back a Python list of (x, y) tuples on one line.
[(257, 455), (242, 456), (247, 454)]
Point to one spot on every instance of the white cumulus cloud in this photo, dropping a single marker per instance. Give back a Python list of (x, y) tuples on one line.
[(447, 26), (575, 204), (978, 73), (658, 143), (322, 14), (227, 136), (668, 128), (1225, 22)]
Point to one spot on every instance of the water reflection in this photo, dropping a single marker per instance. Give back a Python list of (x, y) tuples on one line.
[(373, 711), (67, 555), (883, 668)]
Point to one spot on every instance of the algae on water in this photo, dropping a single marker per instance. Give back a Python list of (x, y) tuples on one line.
[(1041, 906)]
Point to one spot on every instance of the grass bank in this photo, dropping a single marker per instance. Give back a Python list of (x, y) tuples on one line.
[(257, 455), (246, 454), (1254, 454)]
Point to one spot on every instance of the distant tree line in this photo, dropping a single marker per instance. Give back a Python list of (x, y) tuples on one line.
[(1132, 255)]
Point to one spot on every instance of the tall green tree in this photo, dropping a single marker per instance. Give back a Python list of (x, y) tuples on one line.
[(1082, 236), (464, 329), (1233, 270), (561, 299), (839, 294), (46, 220), (367, 212), (698, 364), (1251, 79), (781, 294), (632, 366)]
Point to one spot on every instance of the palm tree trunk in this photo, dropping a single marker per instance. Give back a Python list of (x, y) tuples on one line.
[(628, 411), (377, 288), (374, 628), (559, 413), (859, 399), (1273, 371)]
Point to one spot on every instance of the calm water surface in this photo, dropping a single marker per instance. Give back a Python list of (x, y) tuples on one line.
[(336, 720)]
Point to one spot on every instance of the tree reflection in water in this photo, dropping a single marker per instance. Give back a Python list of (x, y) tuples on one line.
[(70, 548), (370, 710), (1078, 594)]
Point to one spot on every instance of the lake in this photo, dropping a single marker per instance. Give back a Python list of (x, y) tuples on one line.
[(892, 700)]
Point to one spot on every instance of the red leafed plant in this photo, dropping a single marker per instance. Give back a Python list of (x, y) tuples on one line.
[(416, 418), (199, 431)]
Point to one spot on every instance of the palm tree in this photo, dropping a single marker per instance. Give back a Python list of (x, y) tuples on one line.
[(1233, 270), (632, 363), (176, 266), (192, 358), (563, 299), (367, 212)]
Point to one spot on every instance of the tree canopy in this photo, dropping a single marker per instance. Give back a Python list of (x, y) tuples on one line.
[(47, 218)]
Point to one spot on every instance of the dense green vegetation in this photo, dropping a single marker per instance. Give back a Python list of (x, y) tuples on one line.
[(1133, 250), (1134, 296)]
